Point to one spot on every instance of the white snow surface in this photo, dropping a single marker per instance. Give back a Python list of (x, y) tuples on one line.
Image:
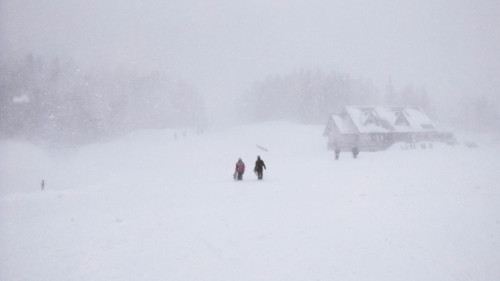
[(149, 207)]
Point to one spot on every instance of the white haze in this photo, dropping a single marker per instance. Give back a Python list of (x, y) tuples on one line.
[(222, 47), (161, 204)]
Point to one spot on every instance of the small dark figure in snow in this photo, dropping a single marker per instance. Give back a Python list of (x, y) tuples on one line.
[(355, 151), (259, 164), (43, 184), (337, 153), (240, 170)]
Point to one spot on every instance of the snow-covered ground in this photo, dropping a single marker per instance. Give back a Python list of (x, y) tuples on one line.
[(149, 207)]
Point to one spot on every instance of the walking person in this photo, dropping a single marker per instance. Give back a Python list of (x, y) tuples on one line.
[(337, 153), (355, 151), (259, 164), (239, 170)]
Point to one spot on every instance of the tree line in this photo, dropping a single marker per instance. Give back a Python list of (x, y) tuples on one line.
[(311, 96), (56, 101)]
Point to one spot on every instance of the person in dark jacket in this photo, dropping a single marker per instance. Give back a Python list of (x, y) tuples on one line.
[(259, 164), (337, 153), (240, 170), (355, 151)]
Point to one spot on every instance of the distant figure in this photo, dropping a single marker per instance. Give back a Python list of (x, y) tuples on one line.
[(259, 164), (240, 170), (337, 153), (355, 151), (43, 185)]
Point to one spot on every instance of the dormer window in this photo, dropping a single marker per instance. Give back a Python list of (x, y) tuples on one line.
[(401, 119), (370, 119)]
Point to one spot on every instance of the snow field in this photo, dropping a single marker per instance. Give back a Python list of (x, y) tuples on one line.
[(148, 207)]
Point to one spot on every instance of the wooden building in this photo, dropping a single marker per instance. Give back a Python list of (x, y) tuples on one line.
[(377, 128)]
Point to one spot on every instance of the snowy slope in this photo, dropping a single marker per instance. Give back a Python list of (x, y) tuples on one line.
[(149, 207)]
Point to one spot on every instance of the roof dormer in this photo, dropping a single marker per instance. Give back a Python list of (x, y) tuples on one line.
[(401, 119), (369, 117)]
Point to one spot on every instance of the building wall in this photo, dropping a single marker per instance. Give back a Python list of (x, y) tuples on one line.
[(342, 141), (373, 141)]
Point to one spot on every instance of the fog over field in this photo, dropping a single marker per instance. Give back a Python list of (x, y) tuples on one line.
[(121, 123)]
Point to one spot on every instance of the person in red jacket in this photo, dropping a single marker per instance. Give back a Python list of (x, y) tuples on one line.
[(240, 170)]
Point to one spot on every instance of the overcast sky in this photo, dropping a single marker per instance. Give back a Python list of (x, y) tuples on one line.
[(451, 47)]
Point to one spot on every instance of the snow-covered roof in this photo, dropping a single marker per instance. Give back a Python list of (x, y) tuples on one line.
[(382, 120), (344, 124)]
